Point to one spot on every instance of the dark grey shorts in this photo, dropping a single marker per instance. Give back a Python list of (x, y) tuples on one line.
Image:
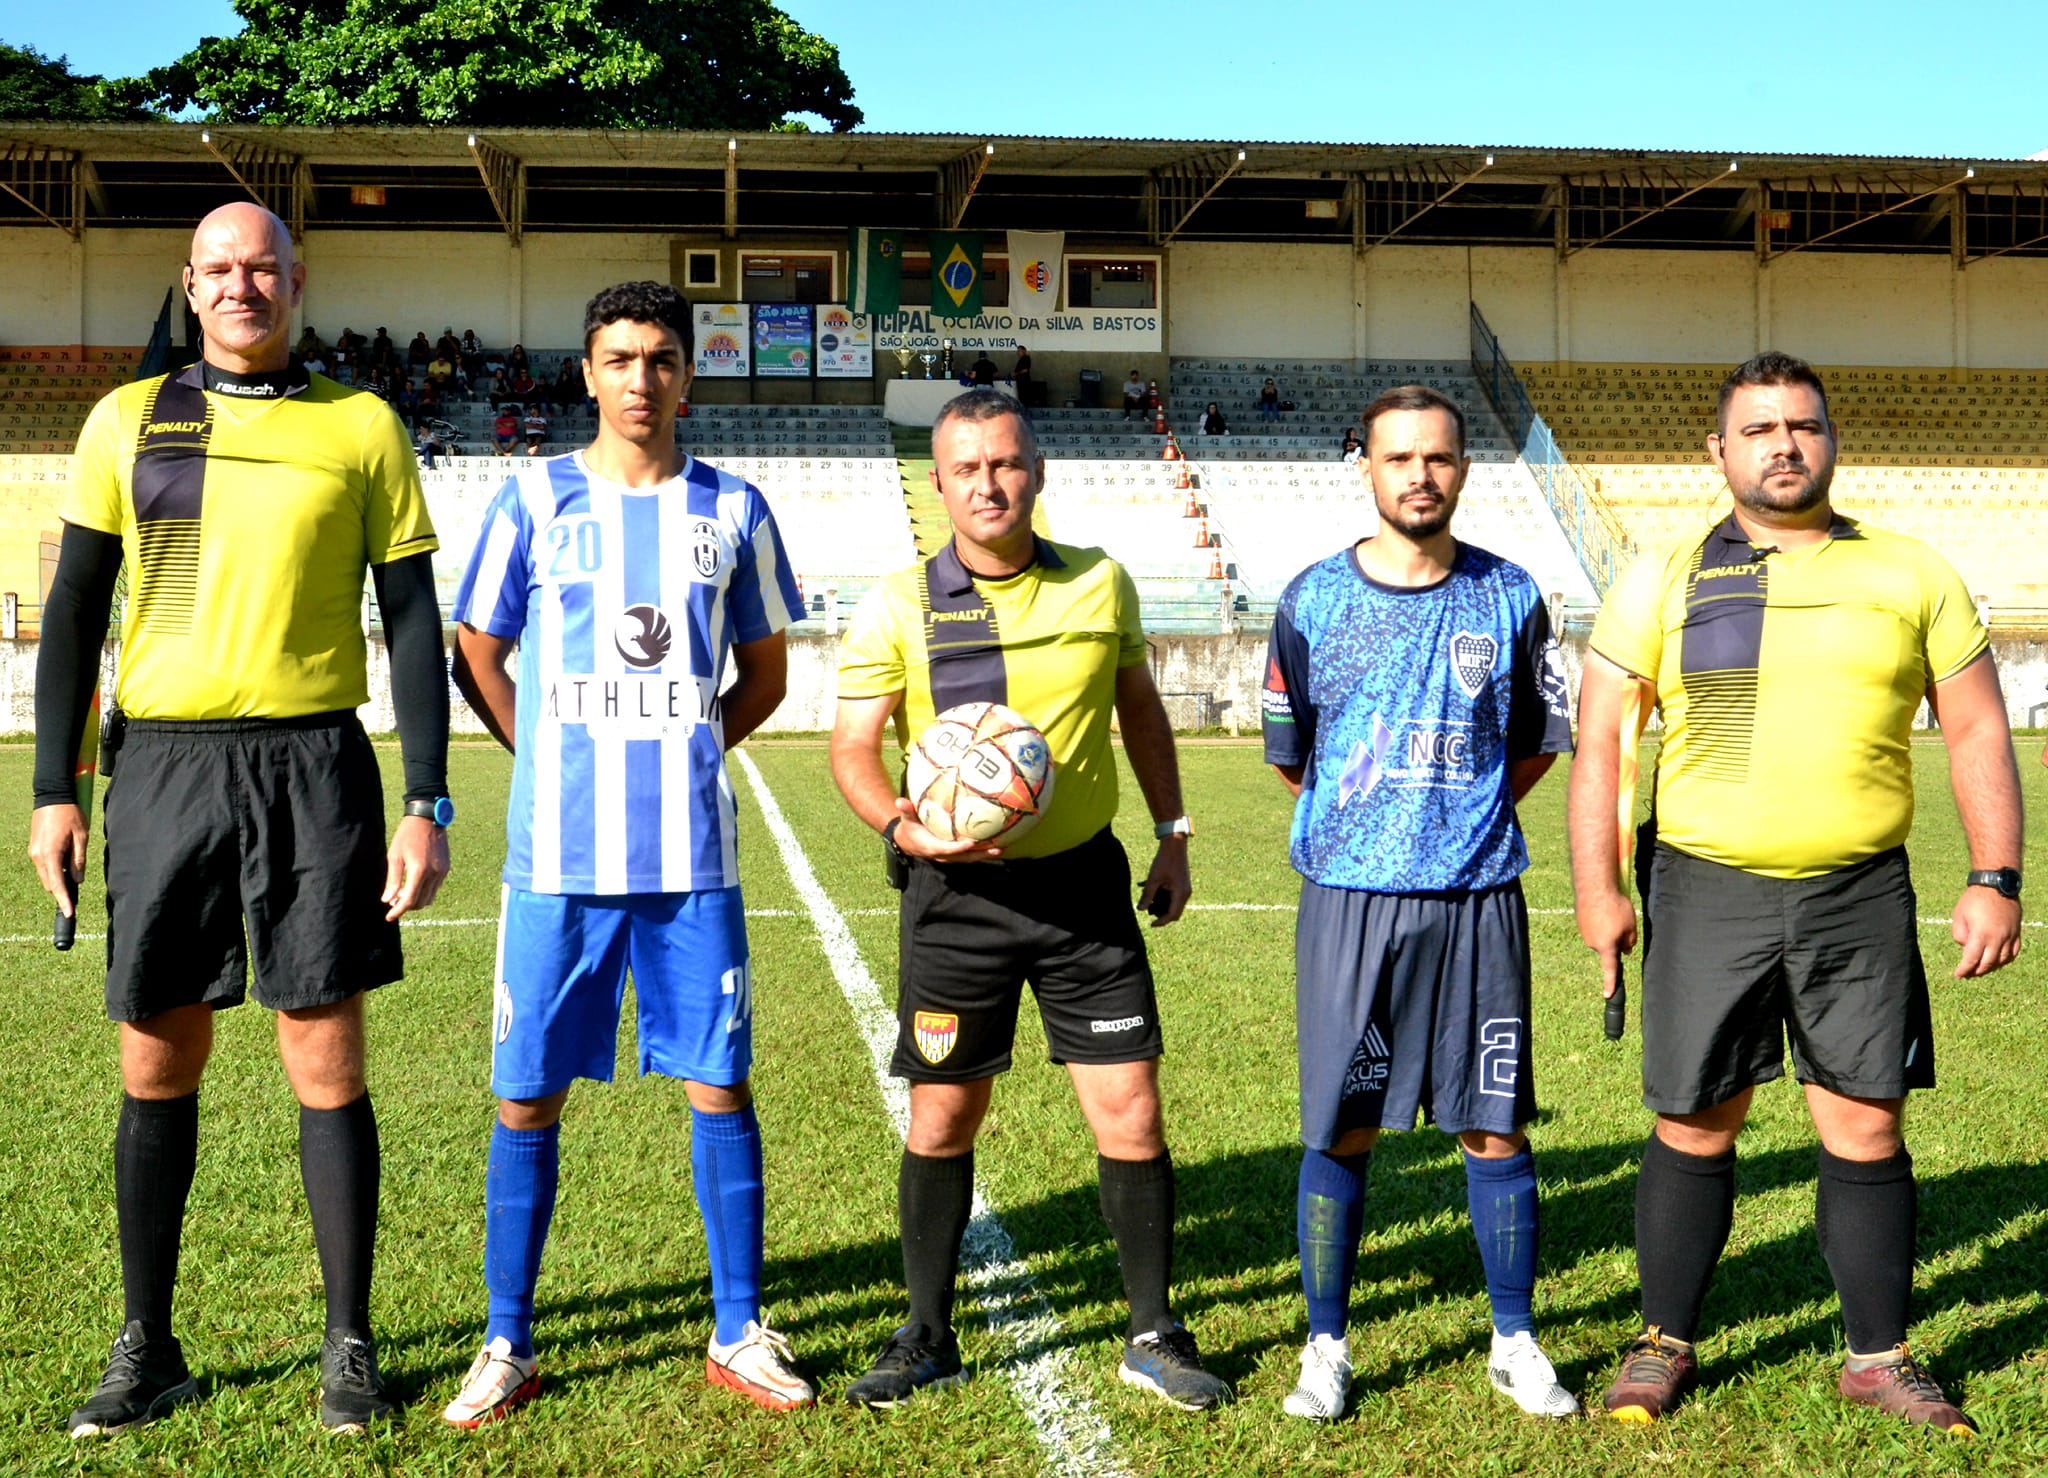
[(1734, 963), (245, 840), (1412, 1001)]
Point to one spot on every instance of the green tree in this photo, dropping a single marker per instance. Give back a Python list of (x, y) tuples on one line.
[(687, 64), (36, 86)]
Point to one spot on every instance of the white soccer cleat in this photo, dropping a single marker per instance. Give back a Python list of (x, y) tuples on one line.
[(757, 1366), (1325, 1384), (1522, 1372), (498, 1380)]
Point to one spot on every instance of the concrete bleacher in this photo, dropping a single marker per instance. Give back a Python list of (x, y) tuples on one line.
[(1958, 459)]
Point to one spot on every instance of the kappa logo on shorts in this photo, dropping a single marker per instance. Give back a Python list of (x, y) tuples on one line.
[(1472, 659), (936, 1032), (501, 1011), (1120, 1024), (1369, 1064)]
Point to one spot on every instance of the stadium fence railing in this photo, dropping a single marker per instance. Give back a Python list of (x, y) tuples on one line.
[(1598, 539)]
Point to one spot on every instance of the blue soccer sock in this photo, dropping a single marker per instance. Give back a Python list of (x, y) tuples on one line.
[(1329, 1218), (725, 1162), (519, 1201), (1503, 1199)]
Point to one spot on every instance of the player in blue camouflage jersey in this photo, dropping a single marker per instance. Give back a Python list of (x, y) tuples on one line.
[(627, 575), (1413, 694)]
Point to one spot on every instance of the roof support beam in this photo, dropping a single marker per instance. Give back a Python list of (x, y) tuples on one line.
[(267, 176), (1186, 187), (958, 180), (1883, 185), (732, 189), (1650, 183), (504, 176), (1418, 189), (49, 182)]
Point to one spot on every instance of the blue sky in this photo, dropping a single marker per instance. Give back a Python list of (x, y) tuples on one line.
[(1830, 76)]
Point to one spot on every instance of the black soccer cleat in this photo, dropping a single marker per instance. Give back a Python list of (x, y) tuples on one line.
[(145, 1378), (1166, 1362), (351, 1394), (912, 1361)]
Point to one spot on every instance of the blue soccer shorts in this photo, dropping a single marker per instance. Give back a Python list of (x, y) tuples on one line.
[(563, 960)]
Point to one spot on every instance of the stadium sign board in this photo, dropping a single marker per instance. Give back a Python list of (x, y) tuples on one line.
[(846, 344), (1095, 330), (724, 341)]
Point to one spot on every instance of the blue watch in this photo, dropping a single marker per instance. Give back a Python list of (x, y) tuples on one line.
[(440, 810)]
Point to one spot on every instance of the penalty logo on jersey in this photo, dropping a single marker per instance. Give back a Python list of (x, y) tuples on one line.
[(936, 1033), (1472, 659)]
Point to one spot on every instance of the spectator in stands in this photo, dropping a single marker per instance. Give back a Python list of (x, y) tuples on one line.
[(432, 443), (1134, 397), (536, 430), (472, 360), (983, 370), (344, 361), (382, 350), (448, 346), (1213, 423), (518, 362), (485, 387), (427, 404), (567, 391), (315, 363), (441, 373), (505, 430), (1020, 376), (1350, 447), (419, 353), (521, 386), (309, 344), (1269, 401), (404, 399)]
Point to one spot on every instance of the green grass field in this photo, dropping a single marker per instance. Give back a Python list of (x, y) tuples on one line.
[(624, 1307)]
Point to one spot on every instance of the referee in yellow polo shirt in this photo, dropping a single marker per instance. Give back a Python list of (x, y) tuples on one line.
[(1788, 650), (244, 811), (1053, 632)]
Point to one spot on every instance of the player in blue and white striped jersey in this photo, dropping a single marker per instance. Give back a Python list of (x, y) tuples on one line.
[(627, 575)]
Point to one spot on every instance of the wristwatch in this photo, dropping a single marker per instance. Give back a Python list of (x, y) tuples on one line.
[(889, 838), (1180, 826), (440, 810), (2005, 879)]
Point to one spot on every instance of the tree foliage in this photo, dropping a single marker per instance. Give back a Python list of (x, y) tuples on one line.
[(36, 86), (686, 64)]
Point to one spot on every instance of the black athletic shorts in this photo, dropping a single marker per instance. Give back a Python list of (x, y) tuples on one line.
[(1733, 963), (1412, 1001), (241, 839), (972, 933)]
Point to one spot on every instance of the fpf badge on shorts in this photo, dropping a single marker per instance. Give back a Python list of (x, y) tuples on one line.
[(936, 1032)]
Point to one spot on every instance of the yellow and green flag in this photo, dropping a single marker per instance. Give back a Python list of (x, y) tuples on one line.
[(956, 274), (874, 266)]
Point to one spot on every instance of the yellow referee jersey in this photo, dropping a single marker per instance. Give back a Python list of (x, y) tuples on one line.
[(1047, 642), (247, 526), (1788, 681)]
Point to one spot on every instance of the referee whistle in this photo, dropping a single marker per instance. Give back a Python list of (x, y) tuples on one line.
[(66, 928), (1615, 1017)]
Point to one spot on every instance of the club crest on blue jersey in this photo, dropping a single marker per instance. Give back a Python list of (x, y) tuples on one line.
[(1472, 657), (704, 548)]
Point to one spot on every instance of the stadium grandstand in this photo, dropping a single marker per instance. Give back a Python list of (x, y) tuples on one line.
[(1581, 307)]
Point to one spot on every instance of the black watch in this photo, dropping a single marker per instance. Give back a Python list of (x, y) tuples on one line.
[(2005, 879), (440, 810), (889, 838)]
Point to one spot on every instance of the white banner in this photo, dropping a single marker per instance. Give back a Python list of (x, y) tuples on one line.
[(846, 344), (1095, 330), (724, 341), (1036, 275)]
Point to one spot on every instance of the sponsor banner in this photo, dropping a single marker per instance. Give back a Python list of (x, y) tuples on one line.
[(1035, 273), (874, 266), (846, 344), (956, 273), (724, 339), (1095, 330), (782, 341)]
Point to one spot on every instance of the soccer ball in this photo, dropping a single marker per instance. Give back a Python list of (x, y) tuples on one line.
[(980, 771)]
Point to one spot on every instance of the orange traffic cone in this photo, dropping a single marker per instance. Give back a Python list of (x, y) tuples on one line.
[(1202, 534), (1181, 480), (683, 408), (1216, 566), (1171, 451), (1189, 509), (1158, 419)]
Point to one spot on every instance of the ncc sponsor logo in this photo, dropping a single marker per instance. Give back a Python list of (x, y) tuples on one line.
[(1420, 753)]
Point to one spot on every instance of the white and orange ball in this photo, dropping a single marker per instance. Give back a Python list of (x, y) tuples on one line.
[(978, 772)]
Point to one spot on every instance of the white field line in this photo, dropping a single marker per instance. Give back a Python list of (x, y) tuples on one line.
[(1075, 1439)]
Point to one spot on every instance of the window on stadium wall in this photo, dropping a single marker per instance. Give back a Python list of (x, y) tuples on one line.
[(786, 277)]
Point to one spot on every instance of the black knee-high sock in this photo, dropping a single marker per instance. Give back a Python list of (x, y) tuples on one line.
[(156, 1148), (1865, 1212), (1685, 1205), (340, 1164), (1137, 1202), (934, 1198)]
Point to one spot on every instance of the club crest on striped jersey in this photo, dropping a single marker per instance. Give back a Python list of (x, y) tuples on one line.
[(705, 548), (1472, 657), (643, 635), (935, 1033)]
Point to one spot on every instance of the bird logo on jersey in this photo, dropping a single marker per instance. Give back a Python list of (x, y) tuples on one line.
[(1472, 659), (936, 1032), (643, 636)]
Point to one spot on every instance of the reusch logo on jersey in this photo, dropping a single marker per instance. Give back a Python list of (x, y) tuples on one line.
[(643, 635), (704, 547), (1472, 659), (936, 1032)]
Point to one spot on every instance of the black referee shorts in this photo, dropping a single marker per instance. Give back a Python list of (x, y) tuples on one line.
[(972, 933), (245, 840), (1735, 963)]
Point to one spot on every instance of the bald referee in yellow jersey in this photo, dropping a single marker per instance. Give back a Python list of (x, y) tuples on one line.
[(1052, 631), (1788, 649), (244, 813)]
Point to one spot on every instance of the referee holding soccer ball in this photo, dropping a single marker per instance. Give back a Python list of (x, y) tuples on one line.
[(1051, 631)]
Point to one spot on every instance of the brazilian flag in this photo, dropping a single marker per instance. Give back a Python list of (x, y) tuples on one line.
[(874, 261), (956, 274)]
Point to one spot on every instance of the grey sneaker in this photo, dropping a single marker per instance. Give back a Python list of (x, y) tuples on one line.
[(351, 1395), (1166, 1362), (145, 1378), (912, 1361)]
